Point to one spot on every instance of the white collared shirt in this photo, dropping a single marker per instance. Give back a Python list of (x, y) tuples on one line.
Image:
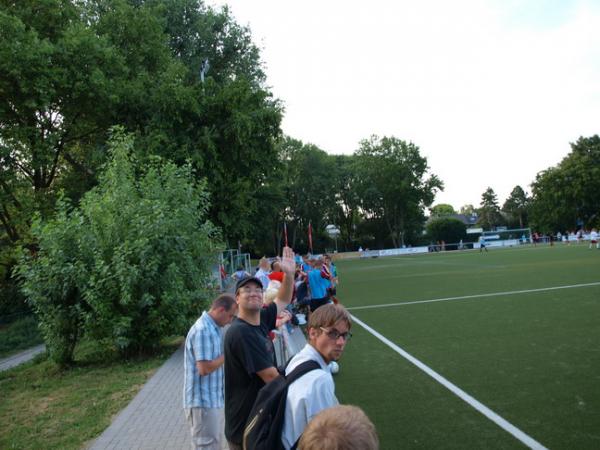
[(307, 396)]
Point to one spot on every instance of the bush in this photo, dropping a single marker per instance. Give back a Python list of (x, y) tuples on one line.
[(126, 266), (447, 229)]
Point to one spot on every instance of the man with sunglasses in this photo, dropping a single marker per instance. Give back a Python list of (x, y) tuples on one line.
[(249, 353), (328, 332)]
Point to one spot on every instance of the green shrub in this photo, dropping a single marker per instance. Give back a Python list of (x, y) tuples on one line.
[(447, 229), (129, 263)]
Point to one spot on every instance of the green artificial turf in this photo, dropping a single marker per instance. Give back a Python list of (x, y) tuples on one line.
[(533, 358)]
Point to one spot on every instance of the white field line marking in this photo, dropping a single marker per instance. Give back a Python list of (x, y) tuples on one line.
[(465, 297), (502, 423)]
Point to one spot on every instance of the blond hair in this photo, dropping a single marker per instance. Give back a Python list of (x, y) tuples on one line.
[(328, 315), (270, 293), (343, 427)]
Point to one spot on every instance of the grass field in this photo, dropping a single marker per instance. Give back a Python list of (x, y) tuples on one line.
[(530, 352)]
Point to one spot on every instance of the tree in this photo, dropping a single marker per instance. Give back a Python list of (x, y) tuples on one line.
[(228, 125), (55, 102), (394, 185), (309, 191), (442, 209), (489, 211), (346, 212), (127, 267), (565, 197), (468, 210), (516, 206), (447, 229), (69, 70)]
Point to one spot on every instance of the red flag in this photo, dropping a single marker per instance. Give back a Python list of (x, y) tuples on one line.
[(310, 247), (285, 240)]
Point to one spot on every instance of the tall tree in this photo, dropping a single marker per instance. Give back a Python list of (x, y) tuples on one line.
[(489, 211), (346, 212), (516, 206), (565, 197), (468, 210), (394, 185), (310, 191), (71, 69)]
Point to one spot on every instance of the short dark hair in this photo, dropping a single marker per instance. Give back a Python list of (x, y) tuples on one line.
[(225, 301)]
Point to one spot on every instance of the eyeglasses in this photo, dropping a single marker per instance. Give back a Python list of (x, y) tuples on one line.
[(334, 334), (249, 290)]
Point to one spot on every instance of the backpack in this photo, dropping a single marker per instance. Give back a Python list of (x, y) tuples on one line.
[(265, 422)]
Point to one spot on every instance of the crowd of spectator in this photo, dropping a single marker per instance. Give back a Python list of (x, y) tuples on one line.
[(230, 357)]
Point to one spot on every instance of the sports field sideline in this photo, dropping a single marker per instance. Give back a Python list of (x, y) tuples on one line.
[(476, 350)]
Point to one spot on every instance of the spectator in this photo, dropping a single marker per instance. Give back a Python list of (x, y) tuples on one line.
[(203, 397), (276, 273), (263, 271), (328, 332), (343, 427), (318, 284), (330, 271), (249, 353), (240, 273)]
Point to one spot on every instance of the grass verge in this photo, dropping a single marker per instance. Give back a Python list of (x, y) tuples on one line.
[(44, 407)]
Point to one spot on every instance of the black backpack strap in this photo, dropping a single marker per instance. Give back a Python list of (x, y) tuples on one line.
[(301, 370)]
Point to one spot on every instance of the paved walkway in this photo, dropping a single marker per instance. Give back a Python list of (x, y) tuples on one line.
[(154, 419), (20, 358)]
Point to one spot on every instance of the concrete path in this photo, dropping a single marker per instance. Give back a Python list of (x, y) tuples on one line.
[(154, 419), (20, 358)]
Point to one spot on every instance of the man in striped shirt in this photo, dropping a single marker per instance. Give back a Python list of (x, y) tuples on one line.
[(203, 397)]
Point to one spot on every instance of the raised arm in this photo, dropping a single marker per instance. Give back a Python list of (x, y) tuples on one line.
[(286, 290)]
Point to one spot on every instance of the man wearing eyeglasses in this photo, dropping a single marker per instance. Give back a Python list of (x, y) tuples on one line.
[(328, 332), (249, 353)]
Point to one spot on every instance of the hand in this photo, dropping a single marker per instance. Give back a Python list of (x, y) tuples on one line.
[(284, 316), (288, 265)]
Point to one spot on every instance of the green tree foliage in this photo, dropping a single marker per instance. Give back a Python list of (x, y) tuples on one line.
[(447, 229), (69, 70), (129, 265), (309, 191), (394, 186), (489, 211), (228, 125), (516, 206), (346, 210), (442, 209), (468, 210), (568, 193)]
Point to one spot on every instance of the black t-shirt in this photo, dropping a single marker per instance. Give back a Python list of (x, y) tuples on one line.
[(248, 350)]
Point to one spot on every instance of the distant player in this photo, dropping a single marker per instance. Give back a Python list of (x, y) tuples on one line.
[(594, 239), (482, 245)]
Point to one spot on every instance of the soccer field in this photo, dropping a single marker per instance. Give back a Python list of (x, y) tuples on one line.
[(476, 350)]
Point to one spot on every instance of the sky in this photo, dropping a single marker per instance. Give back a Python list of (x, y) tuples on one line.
[(491, 91)]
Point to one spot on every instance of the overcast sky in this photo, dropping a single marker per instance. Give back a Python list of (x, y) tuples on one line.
[(492, 91)]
